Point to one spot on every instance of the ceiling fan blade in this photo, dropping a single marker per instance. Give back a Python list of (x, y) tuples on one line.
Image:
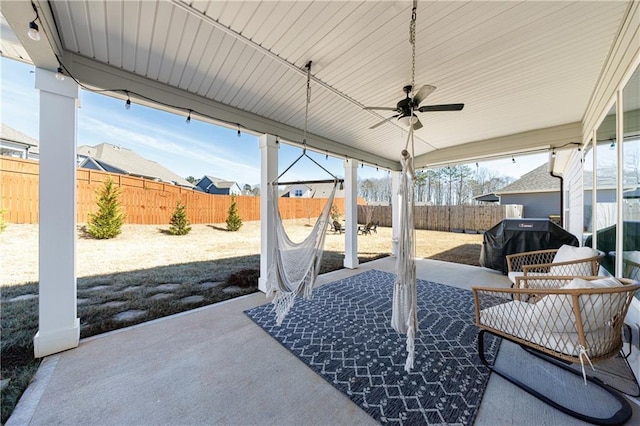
[(444, 107), (424, 91), (417, 125), (383, 121), (382, 108)]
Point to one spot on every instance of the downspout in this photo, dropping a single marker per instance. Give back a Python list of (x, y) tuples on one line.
[(550, 164)]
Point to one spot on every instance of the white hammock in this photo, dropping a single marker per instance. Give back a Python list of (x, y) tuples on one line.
[(404, 316), (295, 265)]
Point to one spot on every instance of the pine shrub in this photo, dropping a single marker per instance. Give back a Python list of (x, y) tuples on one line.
[(107, 223), (3, 224), (179, 222), (233, 218)]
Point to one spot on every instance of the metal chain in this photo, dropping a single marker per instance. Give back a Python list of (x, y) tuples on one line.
[(306, 110), (412, 40)]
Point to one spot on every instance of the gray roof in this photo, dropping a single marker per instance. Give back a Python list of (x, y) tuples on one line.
[(487, 198), (8, 133), (220, 183), (537, 180), (131, 163)]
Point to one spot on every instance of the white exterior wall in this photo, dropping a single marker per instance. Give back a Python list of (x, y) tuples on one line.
[(574, 186)]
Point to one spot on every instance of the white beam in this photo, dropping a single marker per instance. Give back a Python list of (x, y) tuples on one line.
[(102, 76), (268, 172), (538, 140), (351, 213), (59, 327), (395, 211)]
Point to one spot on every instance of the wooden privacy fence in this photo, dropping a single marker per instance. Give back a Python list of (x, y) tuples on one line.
[(144, 201), (446, 218)]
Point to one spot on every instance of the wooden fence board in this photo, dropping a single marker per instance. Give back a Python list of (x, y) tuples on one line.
[(446, 218), (144, 201)]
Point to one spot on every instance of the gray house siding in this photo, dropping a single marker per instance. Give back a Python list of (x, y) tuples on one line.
[(535, 205), (207, 186)]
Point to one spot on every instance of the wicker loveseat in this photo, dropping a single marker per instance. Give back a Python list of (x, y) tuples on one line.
[(566, 261), (565, 318)]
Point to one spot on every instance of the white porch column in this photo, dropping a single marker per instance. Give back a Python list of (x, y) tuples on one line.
[(268, 172), (395, 211), (351, 214), (58, 324)]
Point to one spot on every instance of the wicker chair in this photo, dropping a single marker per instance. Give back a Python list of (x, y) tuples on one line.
[(563, 319), (565, 261)]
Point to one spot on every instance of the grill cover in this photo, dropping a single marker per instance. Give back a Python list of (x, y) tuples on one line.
[(520, 235)]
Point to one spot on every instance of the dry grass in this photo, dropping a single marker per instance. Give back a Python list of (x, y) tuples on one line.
[(147, 247)]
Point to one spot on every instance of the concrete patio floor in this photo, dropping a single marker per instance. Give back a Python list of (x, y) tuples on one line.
[(213, 365)]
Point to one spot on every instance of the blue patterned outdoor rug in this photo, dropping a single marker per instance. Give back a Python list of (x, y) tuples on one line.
[(344, 334)]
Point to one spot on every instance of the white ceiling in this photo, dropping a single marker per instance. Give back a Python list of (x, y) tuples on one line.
[(517, 66)]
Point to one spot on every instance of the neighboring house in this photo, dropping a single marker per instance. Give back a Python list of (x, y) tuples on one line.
[(214, 185), (114, 159), (537, 191), (311, 190), (18, 145)]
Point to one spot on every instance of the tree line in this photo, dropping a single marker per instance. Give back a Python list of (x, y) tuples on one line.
[(452, 185)]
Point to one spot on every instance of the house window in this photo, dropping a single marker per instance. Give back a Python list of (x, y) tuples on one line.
[(297, 193)]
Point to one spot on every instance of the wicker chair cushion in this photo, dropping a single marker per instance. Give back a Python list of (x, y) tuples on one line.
[(555, 311), (518, 319), (513, 274), (568, 253)]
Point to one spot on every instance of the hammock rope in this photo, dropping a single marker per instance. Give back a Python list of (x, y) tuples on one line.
[(404, 316), (295, 266)]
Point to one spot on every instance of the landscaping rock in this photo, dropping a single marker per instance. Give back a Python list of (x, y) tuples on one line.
[(209, 284), (131, 288), (129, 315), (114, 304), (4, 383), (161, 296), (232, 289), (82, 301), (167, 287), (23, 297), (97, 288), (191, 299)]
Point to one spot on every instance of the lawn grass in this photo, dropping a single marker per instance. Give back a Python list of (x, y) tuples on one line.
[(170, 262)]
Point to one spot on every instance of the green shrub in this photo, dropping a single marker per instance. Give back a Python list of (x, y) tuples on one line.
[(335, 213), (3, 224), (107, 223), (179, 222), (234, 222)]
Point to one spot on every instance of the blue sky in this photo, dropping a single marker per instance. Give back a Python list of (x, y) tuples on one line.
[(193, 149)]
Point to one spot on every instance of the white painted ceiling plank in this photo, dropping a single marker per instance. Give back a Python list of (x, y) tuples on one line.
[(145, 36), (130, 23), (98, 26), (185, 50), (172, 46), (159, 38), (243, 77), (82, 30), (201, 55), (114, 23), (67, 29), (226, 71), (202, 79), (223, 52)]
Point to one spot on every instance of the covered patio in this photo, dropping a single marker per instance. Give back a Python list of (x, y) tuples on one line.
[(533, 77), (213, 365)]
